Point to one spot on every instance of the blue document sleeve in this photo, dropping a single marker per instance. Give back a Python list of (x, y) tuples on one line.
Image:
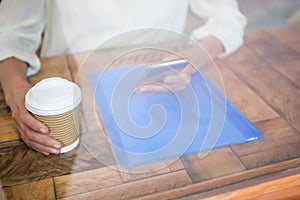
[(147, 127)]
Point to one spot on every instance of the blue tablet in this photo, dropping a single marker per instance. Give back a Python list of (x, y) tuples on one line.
[(148, 127)]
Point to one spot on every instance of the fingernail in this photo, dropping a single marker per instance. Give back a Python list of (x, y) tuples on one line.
[(42, 130), (54, 151), (46, 154), (56, 146)]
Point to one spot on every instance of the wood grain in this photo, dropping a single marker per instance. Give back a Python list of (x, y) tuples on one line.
[(138, 188), (7, 129), (216, 163), (281, 143), (43, 189), (225, 180), (290, 37), (277, 132), (283, 185), (52, 67), (153, 169), (290, 69), (8, 133), (243, 97), (98, 146), (276, 90), (80, 65), (295, 45), (285, 33), (87, 181), (270, 48), (22, 165), (93, 120)]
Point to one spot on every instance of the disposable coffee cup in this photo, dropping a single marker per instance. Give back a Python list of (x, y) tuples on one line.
[(55, 102)]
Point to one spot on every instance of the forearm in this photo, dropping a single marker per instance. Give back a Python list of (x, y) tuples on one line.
[(223, 20), (12, 78)]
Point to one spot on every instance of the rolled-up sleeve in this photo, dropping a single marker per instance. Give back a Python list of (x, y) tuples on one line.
[(223, 20), (21, 26)]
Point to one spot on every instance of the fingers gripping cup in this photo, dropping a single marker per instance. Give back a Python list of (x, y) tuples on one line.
[(55, 102)]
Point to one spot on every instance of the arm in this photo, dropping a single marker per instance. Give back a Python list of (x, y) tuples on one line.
[(221, 35), (20, 30), (178, 81), (223, 21), (14, 84)]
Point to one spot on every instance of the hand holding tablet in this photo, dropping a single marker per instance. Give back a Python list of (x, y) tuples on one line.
[(165, 76)]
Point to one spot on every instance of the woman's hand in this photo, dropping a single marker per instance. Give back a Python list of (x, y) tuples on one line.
[(201, 55), (32, 131), (171, 81), (15, 86)]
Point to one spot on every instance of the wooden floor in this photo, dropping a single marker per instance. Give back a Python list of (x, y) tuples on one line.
[(262, 79)]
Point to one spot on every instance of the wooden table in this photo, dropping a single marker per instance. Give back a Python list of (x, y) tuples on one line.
[(262, 79)]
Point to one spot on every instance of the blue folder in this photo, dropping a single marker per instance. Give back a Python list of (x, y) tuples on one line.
[(148, 127)]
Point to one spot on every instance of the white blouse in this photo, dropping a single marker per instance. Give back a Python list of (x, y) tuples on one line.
[(69, 26)]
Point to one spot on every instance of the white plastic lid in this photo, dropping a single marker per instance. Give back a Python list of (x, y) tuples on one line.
[(53, 96)]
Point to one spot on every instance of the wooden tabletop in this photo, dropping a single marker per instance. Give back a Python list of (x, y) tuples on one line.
[(262, 79)]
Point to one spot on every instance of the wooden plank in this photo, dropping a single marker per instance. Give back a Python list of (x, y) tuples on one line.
[(269, 48), (295, 46), (276, 90), (270, 156), (98, 146), (289, 193), (138, 188), (7, 129), (93, 120), (243, 97), (8, 133), (52, 67), (21, 165), (83, 126), (291, 70), (224, 180), (80, 65), (243, 55), (137, 56), (290, 36), (87, 181), (90, 114), (150, 170), (283, 185), (218, 162), (88, 103), (277, 132), (43, 189), (12, 143), (285, 33), (74, 62), (281, 143), (284, 188)]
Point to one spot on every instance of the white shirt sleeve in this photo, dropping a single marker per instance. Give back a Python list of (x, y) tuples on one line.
[(21, 26), (223, 20)]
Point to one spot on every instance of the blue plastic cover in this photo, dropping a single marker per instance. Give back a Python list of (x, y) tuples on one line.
[(148, 127)]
